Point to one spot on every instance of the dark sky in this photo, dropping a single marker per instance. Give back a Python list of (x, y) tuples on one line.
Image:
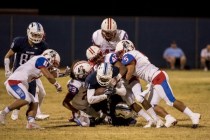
[(113, 7)]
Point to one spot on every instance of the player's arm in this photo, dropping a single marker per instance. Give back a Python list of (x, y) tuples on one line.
[(122, 69), (130, 70), (7, 57), (51, 78), (48, 75), (92, 99), (66, 102), (72, 91)]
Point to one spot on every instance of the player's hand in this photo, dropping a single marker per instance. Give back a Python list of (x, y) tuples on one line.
[(67, 71), (113, 82), (110, 91), (58, 87), (8, 73)]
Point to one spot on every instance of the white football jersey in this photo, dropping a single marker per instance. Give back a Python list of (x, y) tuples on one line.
[(143, 69), (79, 92), (108, 46), (30, 70)]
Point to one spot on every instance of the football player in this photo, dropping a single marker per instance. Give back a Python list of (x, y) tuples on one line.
[(108, 36), (24, 48), (139, 65), (76, 98), (112, 95), (94, 56), (18, 82)]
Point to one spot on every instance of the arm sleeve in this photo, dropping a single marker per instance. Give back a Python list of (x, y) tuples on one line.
[(6, 64), (94, 99)]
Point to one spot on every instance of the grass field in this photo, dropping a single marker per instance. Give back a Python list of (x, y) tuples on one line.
[(191, 87)]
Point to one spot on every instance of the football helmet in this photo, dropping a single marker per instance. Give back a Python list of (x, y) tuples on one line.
[(104, 74), (108, 28), (123, 110), (81, 69), (124, 46), (94, 55), (35, 32), (52, 56)]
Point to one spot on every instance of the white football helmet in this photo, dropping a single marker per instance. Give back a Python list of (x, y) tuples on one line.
[(124, 45), (81, 69), (35, 32), (94, 54), (52, 56), (124, 111), (109, 28), (104, 74)]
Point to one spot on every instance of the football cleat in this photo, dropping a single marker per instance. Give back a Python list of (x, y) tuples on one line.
[(195, 119), (149, 124), (42, 116), (170, 121), (159, 123), (33, 125), (14, 115)]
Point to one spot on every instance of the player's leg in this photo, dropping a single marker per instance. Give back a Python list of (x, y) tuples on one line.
[(41, 94), (31, 113), (140, 112), (154, 99), (136, 90), (20, 93), (167, 94)]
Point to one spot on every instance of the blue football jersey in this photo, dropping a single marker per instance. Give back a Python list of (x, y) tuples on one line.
[(24, 51)]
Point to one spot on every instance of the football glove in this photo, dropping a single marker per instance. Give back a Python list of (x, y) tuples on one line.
[(110, 91)]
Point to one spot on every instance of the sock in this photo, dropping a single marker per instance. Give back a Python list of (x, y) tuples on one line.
[(31, 119), (144, 115), (152, 113), (168, 116), (38, 110), (7, 110), (188, 112)]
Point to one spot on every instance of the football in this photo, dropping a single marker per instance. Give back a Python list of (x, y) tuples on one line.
[(99, 91)]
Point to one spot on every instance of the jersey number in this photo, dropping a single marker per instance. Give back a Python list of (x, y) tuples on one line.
[(24, 58)]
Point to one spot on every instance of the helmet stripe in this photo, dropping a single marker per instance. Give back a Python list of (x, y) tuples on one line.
[(91, 50), (38, 27), (109, 23), (105, 68)]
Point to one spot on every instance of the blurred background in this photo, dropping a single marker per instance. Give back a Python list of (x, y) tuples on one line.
[(69, 26)]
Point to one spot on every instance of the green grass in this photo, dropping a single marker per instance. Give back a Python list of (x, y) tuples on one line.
[(191, 87)]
